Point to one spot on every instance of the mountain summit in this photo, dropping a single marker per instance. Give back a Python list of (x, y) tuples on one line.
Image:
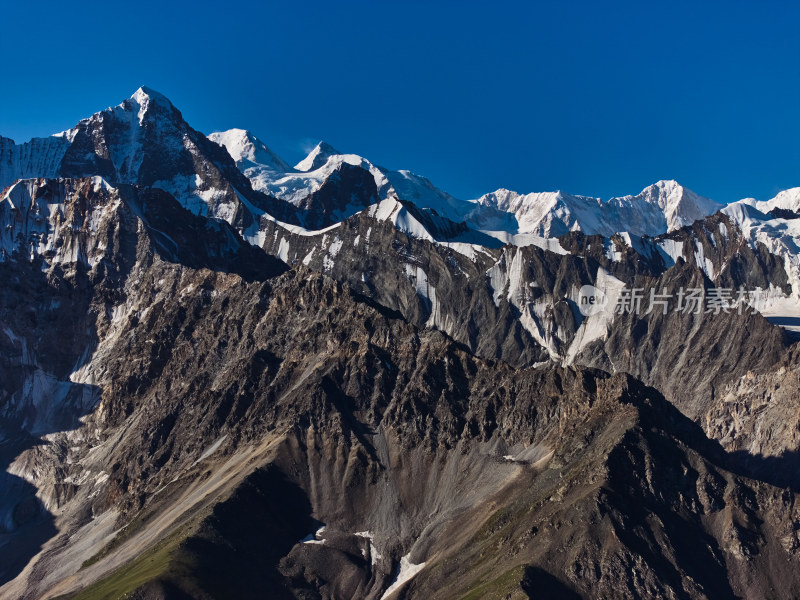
[(248, 151), (318, 156), (146, 97), (659, 208)]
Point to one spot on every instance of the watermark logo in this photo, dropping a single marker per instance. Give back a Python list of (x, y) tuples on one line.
[(638, 301), (591, 300)]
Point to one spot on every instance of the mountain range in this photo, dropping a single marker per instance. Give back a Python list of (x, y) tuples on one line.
[(224, 376)]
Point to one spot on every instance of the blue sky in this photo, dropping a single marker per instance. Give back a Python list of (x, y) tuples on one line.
[(592, 98)]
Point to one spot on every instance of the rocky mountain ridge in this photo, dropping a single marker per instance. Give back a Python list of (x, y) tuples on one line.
[(204, 349), (203, 396)]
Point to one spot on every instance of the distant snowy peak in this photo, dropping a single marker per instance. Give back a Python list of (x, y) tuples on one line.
[(545, 214), (679, 205), (248, 151), (398, 185), (786, 200), (415, 188), (148, 99), (662, 207), (145, 96), (317, 158), (659, 208), (511, 201), (270, 174)]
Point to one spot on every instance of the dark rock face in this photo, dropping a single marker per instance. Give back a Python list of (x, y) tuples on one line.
[(348, 188), (783, 213), (517, 304), (377, 260), (690, 357), (732, 261)]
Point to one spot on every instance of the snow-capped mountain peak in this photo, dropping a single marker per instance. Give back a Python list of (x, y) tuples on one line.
[(270, 174), (545, 214), (145, 99), (679, 205), (514, 202), (317, 157), (249, 151), (145, 141), (658, 208), (786, 200), (147, 95)]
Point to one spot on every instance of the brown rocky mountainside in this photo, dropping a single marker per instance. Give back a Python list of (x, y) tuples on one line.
[(184, 416)]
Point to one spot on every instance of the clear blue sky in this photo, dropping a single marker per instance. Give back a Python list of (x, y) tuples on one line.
[(596, 98)]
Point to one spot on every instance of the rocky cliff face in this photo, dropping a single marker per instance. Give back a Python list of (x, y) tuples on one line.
[(519, 304), (246, 411), (345, 390)]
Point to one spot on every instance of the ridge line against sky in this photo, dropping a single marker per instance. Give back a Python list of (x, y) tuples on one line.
[(595, 100)]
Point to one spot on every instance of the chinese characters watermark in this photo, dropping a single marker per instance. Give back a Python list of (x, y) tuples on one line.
[(638, 301)]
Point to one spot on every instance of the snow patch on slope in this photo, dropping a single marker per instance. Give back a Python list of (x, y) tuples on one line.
[(405, 573), (596, 326), (396, 213)]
